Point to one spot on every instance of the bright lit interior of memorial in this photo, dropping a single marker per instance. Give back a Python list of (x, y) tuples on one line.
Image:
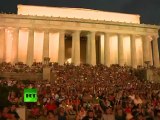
[(54, 46), (54, 41)]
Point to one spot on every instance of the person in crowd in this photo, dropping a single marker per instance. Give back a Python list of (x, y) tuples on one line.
[(62, 114), (157, 116), (5, 113), (51, 116), (109, 114), (120, 115), (1, 116), (14, 112), (12, 97), (98, 111), (13, 116), (90, 115), (35, 111), (51, 105), (81, 114)]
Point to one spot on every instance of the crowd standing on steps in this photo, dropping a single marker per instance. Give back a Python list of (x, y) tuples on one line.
[(83, 93)]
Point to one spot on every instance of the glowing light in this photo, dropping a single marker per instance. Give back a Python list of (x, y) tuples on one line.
[(139, 52), (69, 61), (22, 46), (114, 49), (8, 43), (102, 48), (150, 52), (77, 13), (38, 46), (127, 50), (2, 41), (53, 46)]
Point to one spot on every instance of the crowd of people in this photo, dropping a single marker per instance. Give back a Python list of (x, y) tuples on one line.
[(21, 67), (84, 92)]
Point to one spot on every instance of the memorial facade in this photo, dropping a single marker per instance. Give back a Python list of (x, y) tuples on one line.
[(77, 36)]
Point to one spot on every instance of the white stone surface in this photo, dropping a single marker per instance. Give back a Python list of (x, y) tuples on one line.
[(77, 13)]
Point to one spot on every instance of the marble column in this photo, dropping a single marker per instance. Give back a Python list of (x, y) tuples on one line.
[(30, 49), (46, 45), (15, 45), (73, 47), (133, 51), (107, 49), (120, 50), (101, 48), (2, 44), (88, 49), (150, 53), (93, 48), (76, 53), (155, 51), (145, 41), (61, 51)]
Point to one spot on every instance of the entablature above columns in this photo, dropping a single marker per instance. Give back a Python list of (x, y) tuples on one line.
[(40, 23)]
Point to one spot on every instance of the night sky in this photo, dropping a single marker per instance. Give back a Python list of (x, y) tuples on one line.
[(148, 9)]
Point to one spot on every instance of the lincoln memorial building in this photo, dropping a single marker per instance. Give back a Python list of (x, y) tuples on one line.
[(77, 35)]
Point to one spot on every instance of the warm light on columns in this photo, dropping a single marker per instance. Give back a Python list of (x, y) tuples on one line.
[(150, 51), (45, 44), (53, 47), (102, 48), (9, 41), (145, 46), (38, 46), (22, 46), (30, 47), (139, 51), (88, 45), (107, 49), (155, 51), (114, 49), (93, 48), (120, 50), (76, 48), (133, 51), (127, 50), (15, 45), (2, 44)]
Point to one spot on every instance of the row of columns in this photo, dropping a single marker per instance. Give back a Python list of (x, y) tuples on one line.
[(91, 48), (30, 49), (14, 55)]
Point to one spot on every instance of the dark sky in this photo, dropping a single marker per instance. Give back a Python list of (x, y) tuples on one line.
[(148, 9)]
